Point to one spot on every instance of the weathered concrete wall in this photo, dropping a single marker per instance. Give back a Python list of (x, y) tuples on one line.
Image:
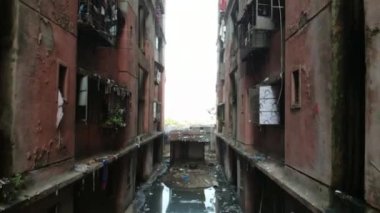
[(266, 139), (187, 151), (62, 201), (148, 162), (96, 194), (308, 128), (372, 162), (121, 63), (45, 40), (128, 70), (229, 68), (143, 165), (125, 182), (245, 75)]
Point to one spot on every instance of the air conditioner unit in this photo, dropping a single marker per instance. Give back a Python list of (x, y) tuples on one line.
[(263, 15), (258, 39)]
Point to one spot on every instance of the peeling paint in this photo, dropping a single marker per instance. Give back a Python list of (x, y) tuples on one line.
[(46, 35)]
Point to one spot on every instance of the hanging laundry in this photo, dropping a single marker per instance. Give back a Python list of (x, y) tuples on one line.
[(60, 109)]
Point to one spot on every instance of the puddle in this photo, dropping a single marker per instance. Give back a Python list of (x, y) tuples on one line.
[(162, 198)]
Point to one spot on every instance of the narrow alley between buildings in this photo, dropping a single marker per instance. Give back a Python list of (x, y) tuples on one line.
[(190, 180), (174, 106)]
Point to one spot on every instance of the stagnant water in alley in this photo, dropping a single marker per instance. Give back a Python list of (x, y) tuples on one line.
[(187, 187)]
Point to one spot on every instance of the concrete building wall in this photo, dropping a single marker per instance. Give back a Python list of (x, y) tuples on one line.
[(322, 82), (43, 43), (127, 63), (372, 161), (62, 202), (308, 145), (50, 51)]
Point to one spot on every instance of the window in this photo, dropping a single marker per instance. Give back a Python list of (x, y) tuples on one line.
[(220, 112), (156, 111), (142, 83), (62, 72), (53, 209), (221, 56), (158, 50), (158, 43), (296, 89), (62, 87), (141, 103), (264, 8), (82, 97), (157, 77), (142, 27)]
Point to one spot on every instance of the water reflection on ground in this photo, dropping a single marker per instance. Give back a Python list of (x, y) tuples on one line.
[(160, 197)]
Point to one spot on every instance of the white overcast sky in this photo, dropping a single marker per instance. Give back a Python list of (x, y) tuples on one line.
[(190, 59)]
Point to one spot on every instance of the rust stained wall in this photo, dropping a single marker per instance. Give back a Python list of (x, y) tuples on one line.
[(229, 69), (91, 138), (300, 11), (125, 179), (270, 139), (63, 201), (128, 69), (308, 129), (63, 12), (43, 44), (372, 161), (149, 55), (121, 63), (247, 74), (266, 139), (227, 89), (117, 63)]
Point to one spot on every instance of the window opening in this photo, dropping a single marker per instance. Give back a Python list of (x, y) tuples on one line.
[(296, 89), (82, 95), (264, 8), (62, 71), (142, 27)]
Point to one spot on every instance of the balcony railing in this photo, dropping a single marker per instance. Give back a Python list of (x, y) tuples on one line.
[(100, 16)]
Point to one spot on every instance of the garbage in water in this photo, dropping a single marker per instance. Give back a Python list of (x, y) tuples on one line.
[(185, 188)]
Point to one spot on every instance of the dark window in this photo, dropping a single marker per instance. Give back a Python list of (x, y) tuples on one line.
[(156, 111), (141, 103), (264, 8), (53, 209), (220, 112), (142, 27), (62, 72), (82, 97), (296, 89)]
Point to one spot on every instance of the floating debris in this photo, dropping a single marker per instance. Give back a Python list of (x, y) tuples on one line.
[(174, 192)]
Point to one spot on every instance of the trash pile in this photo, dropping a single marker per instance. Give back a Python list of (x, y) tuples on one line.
[(190, 175)]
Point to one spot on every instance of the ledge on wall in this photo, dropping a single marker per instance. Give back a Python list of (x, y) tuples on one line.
[(312, 194), (41, 183)]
